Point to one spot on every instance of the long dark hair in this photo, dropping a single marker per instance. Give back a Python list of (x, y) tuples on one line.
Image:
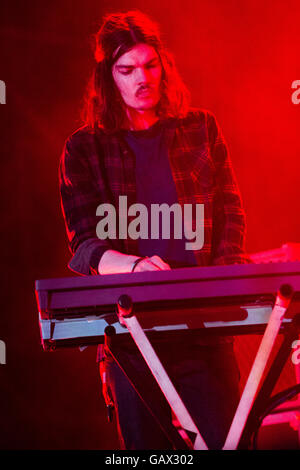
[(118, 34)]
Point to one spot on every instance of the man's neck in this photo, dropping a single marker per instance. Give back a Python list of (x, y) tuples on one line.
[(140, 120)]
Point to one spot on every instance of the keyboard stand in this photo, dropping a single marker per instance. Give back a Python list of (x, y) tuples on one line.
[(187, 425), (258, 368), (263, 397), (148, 391)]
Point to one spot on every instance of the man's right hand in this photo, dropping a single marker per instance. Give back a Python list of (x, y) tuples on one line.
[(154, 263), (113, 262)]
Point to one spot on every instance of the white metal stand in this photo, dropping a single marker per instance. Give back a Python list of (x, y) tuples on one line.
[(253, 382)]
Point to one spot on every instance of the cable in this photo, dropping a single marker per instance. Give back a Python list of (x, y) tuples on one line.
[(273, 403)]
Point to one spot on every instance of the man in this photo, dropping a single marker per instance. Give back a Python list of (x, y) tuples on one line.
[(141, 140)]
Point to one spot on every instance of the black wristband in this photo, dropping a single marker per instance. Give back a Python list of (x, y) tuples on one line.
[(137, 262)]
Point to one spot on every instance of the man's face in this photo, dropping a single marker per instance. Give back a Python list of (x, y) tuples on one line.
[(137, 75)]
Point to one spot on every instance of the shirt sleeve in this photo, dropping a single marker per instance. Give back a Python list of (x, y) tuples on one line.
[(229, 226), (79, 201)]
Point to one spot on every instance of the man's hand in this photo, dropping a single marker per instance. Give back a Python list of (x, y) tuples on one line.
[(113, 262), (154, 263)]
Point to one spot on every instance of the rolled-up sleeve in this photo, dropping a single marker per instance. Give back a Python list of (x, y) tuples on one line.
[(229, 225), (79, 200)]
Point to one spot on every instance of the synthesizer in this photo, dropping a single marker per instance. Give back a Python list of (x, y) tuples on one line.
[(231, 299)]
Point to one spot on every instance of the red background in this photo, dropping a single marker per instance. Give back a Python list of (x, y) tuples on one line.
[(239, 59)]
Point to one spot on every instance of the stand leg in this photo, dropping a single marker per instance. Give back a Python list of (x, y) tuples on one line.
[(258, 367), (158, 371), (148, 391), (268, 385)]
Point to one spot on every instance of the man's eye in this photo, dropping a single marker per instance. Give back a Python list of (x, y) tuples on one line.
[(126, 72)]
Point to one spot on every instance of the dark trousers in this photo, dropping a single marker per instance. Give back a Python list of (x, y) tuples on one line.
[(207, 380)]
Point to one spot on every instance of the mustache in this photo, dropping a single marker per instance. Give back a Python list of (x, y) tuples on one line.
[(143, 88)]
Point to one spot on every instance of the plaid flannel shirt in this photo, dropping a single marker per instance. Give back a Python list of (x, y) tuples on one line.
[(97, 168)]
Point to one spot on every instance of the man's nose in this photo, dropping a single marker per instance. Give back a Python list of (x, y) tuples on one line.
[(142, 75)]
